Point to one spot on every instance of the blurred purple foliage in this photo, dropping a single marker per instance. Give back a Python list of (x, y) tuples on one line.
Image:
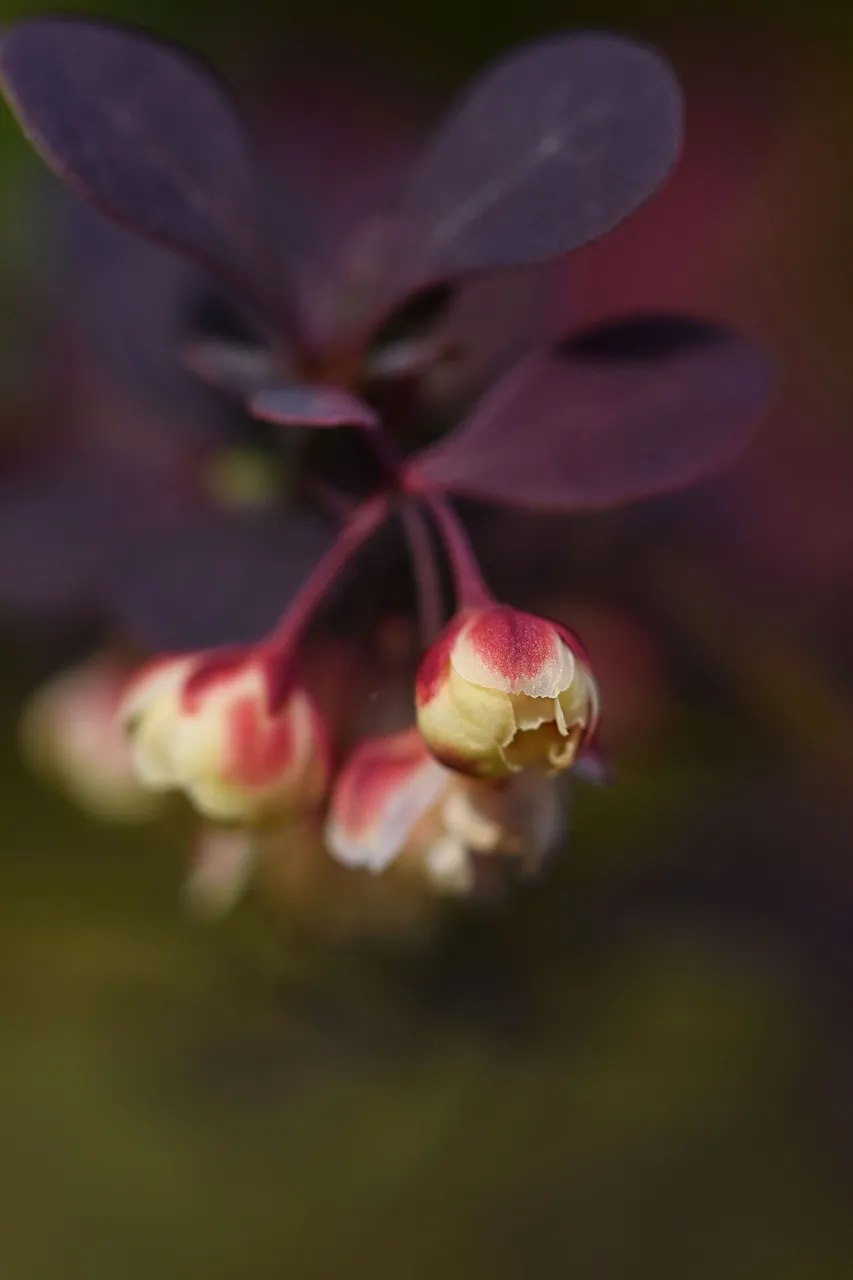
[(551, 147)]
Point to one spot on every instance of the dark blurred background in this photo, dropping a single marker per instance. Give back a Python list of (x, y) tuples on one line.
[(642, 1066)]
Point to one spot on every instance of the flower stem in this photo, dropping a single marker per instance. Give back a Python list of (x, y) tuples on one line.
[(364, 521), (425, 569), (335, 501), (471, 589)]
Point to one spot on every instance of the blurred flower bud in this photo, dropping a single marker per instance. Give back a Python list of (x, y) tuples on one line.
[(312, 896), (502, 690), (207, 729), (71, 736), (220, 871), (394, 803)]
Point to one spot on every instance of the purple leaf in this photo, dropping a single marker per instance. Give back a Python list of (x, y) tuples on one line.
[(551, 147), (131, 303), (492, 321), (144, 132), (457, 340), (238, 369), (312, 406), (214, 578), (629, 409), (63, 519)]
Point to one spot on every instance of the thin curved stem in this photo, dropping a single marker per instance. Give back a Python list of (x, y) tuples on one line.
[(425, 568), (471, 588), (385, 452), (364, 521), (335, 501)]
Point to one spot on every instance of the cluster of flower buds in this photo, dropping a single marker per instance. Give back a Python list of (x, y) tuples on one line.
[(394, 802), (504, 701), (71, 735), (527, 167)]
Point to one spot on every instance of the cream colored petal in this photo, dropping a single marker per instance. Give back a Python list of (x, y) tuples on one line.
[(575, 704), (449, 866), (470, 724), (160, 682), (198, 745), (151, 748), (221, 872), (467, 823), (148, 714), (563, 752), (218, 802), (386, 836)]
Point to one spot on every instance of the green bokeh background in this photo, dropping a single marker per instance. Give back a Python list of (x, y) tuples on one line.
[(611, 1095)]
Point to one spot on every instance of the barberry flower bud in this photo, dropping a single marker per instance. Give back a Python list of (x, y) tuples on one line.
[(206, 728), (71, 736), (384, 791), (502, 690), (393, 801), (222, 863)]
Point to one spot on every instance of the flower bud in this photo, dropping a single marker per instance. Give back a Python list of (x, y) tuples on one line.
[(206, 728), (383, 792), (220, 871), (502, 690), (71, 736), (394, 801)]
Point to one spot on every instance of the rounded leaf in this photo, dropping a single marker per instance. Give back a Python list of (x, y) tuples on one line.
[(636, 407), (130, 304), (142, 130), (552, 146), (64, 519), (312, 406)]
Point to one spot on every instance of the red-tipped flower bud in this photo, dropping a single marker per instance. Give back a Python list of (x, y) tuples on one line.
[(208, 729), (502, 690), (70, 735), (393, 801)]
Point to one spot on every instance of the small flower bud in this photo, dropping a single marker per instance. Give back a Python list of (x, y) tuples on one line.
[(384, 791), (220, 871), (207, 729), (393, 801), (502, 690), (71, 736)]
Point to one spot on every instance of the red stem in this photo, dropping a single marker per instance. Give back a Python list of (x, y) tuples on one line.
[(422, 554), (471, 589), (364, 521), (340, 504)]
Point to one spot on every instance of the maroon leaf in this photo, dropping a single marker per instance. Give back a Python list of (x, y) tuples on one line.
[(457, 339), (63, 520), (312, 406), (551, 147), (492, 322), (629, 409), (142, 131), (129, 304), (239, 369)]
